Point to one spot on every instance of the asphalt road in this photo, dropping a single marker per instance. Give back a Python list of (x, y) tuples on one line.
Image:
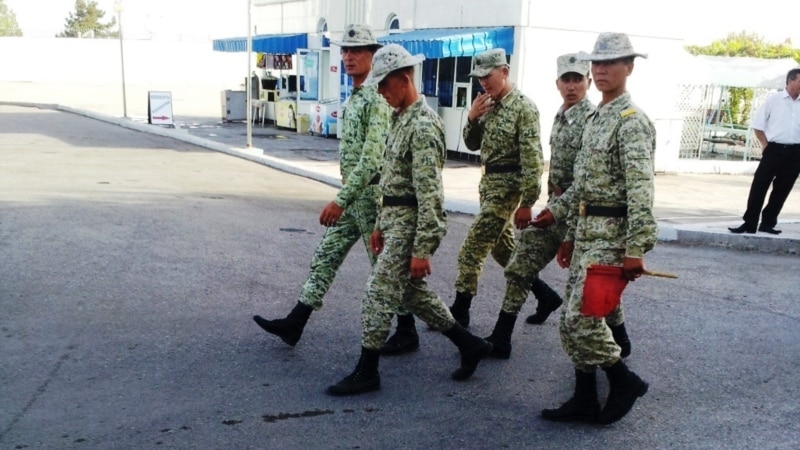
[(132, 264)]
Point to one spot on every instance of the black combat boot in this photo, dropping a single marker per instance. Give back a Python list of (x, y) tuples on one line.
[(549, 301), (621, 338), (460, 308), (289, 329), (583, 406), (405, 338), (472, 348), (624, 388), (501, 335), (365, 377)]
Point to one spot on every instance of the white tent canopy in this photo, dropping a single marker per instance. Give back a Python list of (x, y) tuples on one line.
[(740, 71)]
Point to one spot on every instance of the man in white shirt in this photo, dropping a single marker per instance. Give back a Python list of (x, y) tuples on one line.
[(777, 127)]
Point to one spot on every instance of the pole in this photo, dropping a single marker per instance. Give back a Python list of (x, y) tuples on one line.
[(118, 7), (249, 82)]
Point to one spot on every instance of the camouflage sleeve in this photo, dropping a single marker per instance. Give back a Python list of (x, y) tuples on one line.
[(571, 210), (567, 206), (473, 134), (637, 146), (559, 206), (530, 155), (371, 155), (429, 151)]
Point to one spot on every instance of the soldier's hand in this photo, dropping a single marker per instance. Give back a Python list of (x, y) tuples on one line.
[(330, 214), (632, 268), (376, 242), (522, 218), (482, 104), (564, 255), (544, 219), (420, 268)]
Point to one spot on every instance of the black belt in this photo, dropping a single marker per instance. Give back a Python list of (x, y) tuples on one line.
[(388, 200), (602, 211), (375, 180), (502, 168), (785, 146)]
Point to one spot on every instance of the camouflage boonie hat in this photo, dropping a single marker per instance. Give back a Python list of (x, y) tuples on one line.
[(357, 35), (387, 60), (488, 61), (570, 63), (610, 46)]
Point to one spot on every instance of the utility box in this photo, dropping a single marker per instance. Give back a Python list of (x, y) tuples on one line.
[(234, 105)]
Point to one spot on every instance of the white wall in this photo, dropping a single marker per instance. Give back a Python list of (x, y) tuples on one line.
[(419, 14), (81, 72), (69, 59)]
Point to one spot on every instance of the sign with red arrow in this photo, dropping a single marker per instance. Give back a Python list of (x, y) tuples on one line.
[(159, 106)]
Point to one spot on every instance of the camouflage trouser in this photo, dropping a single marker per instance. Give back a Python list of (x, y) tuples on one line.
[(491, 231), (390, 286), (588, 340), (535, 249), (356, 222)]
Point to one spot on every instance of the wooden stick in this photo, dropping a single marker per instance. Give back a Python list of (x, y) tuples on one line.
[(659, 274)]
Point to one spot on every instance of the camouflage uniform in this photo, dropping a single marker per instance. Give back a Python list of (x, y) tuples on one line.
[(537, 247), (613, 168), (415, 154), (507, 135), (365, 122)]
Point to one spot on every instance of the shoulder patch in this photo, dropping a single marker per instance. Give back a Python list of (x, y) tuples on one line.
[(627, 112)]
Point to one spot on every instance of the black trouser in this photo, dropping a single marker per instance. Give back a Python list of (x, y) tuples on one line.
[(779, 166)]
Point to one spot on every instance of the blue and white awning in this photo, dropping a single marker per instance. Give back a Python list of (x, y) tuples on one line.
[(264, 43), (448, 42)]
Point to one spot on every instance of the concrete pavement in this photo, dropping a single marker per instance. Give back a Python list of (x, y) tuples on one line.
[(690, 208)]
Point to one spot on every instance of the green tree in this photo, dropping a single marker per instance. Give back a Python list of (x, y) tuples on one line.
[(749, 45), (8, 21), (85, 21)]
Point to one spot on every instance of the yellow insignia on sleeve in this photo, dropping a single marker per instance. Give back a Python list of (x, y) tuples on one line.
[(627, 112)]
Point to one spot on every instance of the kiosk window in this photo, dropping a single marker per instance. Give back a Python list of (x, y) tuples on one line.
[(461, 97), (452, 71), (430, 74), (463, 68), (447, 72)]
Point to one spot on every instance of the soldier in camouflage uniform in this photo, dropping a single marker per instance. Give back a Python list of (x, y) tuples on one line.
[(351, 215), (503, 125), (410, 226), (610, 221), (536, 247)]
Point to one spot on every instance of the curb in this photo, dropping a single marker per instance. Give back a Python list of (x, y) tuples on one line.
[(772, 244)]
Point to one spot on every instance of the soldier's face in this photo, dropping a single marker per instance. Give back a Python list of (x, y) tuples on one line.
[(392, 89), (610, 76), (494, 83), (573, 87), (357, 61)]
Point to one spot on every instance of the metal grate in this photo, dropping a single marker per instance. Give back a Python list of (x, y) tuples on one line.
[(691, 101), (696, 104)]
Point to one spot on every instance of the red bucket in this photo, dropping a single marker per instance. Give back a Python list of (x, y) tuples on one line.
[(602, 290)]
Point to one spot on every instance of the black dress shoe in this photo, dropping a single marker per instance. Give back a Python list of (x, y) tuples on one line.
[(743, 228), (769, 230)]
